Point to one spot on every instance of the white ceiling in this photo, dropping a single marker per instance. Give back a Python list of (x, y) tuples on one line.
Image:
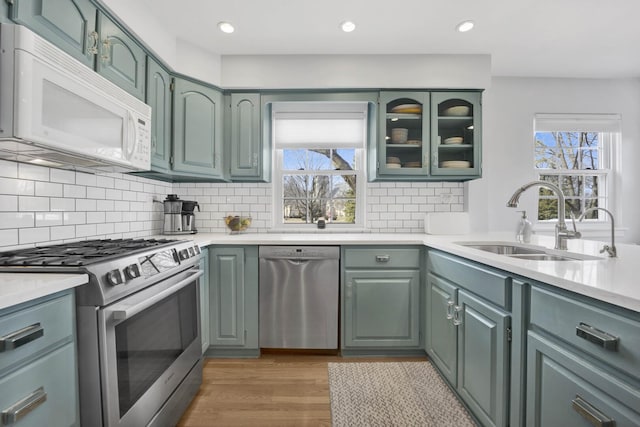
[(548, 38)]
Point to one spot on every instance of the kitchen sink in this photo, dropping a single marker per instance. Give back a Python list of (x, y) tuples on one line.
[(527, 252)]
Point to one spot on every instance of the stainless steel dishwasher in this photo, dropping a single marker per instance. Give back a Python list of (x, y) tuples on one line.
[(299, 287)]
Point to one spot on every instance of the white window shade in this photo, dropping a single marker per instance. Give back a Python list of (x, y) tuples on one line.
[(319, 129), (578, 123)]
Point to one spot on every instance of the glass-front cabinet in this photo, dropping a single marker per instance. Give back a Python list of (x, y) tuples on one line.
[(456, 134), (428, 135), (404, 134)]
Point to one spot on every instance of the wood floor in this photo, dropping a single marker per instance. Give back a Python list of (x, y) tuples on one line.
[(274, 390)]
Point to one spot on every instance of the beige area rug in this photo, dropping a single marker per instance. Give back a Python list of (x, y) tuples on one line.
[(393, 394)]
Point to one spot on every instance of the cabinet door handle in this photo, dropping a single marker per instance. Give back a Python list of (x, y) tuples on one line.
[(591, 414), (457, 320), (21, 337), (92, 47), (598, 337), (383, 258), (18, 410), (106, 50), (450, 305)]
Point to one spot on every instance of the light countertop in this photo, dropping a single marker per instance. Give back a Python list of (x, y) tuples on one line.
[(16, 288), (612, 280)]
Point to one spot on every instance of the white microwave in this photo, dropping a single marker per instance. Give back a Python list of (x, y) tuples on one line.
[(55, 111)]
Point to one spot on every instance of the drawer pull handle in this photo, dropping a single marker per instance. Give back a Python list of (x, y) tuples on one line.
[(383, 258), (21, 337), (18, 410), (591, 414), (598, 337), (457, 320)]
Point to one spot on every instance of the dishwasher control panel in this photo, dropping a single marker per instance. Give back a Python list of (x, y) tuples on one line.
[(296, 252)]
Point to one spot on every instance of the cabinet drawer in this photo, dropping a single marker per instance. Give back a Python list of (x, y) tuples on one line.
[(610, 337), (566, 390), (34, 328), (55, 373), (491, 285), (382, 257)]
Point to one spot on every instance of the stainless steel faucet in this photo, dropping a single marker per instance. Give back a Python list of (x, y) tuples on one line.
[(561, 231), (611, 250)]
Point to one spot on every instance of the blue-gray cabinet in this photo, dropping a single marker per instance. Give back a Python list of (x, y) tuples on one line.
[(120, 59), (582, 361), (204, 300), (468, 331), (197, 130), (69, 24), (158, 97), (86, 33), (456, 134), (38, 370), (233, 301), (248, 161), (428, 136), (381, 298)]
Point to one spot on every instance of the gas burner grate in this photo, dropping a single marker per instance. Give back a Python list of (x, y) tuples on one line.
[(79, 253)]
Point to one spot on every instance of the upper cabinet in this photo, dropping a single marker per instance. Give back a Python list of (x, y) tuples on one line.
[(120, 59), (247, 158), (197, 130), (456, 134), (428, 136), (158, 95), (79, 29), (404, 134), (69, 24)]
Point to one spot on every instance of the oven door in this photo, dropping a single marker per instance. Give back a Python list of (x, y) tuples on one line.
[(151, 341)]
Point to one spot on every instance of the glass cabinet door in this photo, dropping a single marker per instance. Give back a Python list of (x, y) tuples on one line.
[(455, 134), (404, 134)]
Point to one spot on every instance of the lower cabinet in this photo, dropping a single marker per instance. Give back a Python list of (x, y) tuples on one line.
[(38, 370), (381, 299), (467, 338), (566, 390), (582, 362), (233, 302)]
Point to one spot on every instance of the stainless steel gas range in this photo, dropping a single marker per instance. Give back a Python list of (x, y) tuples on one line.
[(139, 351)]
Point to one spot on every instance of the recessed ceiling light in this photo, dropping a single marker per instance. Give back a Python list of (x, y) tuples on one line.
[(465, 26), (226, 27), (348, 26)]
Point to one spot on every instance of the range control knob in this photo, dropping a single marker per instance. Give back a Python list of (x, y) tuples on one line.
[(132, 271), (184, 254), (114, 278), (197, 249)]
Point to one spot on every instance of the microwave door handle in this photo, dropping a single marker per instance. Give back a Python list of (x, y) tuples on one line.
[(122, 312), (132, 136)]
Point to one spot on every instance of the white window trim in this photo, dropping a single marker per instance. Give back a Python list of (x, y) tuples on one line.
[(360, 172), (608, 124)]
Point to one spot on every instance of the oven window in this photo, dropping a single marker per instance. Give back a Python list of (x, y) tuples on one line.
[(149, 342)]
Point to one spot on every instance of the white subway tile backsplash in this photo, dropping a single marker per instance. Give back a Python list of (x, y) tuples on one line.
[(62, 176), (44, 205), (48, 219), (30, 203), (8, 169), (66, 205), (8, 203), (33, 235), (33, 172), (48, 189), (17, 219)]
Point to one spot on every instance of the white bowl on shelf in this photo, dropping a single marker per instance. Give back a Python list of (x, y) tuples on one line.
[(458, 164), (453, 140), (394, 165), (399, 135), (457, 110)]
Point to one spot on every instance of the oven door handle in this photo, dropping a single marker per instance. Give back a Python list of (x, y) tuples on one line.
[(124, 311)]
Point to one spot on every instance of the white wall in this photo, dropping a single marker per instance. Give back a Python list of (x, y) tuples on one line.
[(509, 106)]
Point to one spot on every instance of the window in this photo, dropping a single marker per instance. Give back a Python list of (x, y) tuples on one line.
[(578, 154), (319, 163)]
